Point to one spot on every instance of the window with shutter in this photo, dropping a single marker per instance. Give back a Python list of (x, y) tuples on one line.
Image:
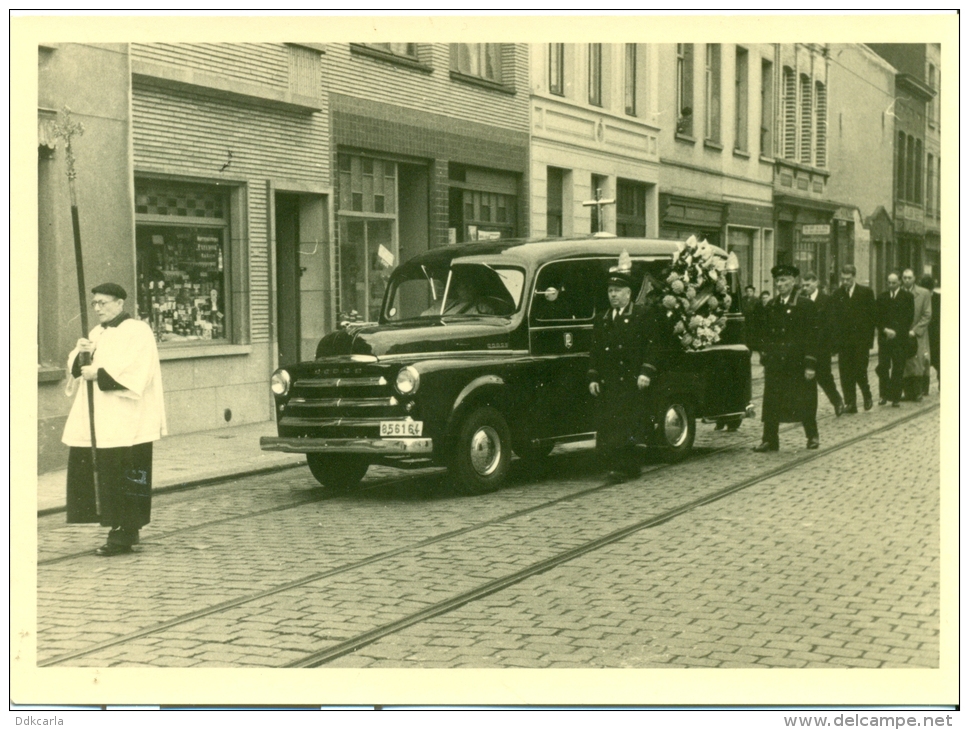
[(790, 114), (821, 126), (806, 119)]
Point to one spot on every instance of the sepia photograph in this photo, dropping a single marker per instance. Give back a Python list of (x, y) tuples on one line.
[(434, 351)]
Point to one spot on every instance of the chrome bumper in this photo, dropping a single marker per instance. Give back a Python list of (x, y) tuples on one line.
[(295, 445)]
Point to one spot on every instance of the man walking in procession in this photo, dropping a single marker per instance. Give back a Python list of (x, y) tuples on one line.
[(918, 365), (617, 374), (854, 335), (129, 413), (826, 326), (895, 312), (790, 342)]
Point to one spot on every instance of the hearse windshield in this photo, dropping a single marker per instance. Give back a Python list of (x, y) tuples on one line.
[(463, 290)]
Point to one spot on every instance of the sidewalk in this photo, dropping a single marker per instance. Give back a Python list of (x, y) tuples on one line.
[(194, 458), (190, 458)]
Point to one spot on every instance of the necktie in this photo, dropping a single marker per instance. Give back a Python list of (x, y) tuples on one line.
[(615, 312)]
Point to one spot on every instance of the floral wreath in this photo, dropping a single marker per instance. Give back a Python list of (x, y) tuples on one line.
[(695, 292)]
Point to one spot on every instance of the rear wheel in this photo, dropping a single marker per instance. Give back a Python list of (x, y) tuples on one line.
[(481, 452), (677, 430), (338, 471)]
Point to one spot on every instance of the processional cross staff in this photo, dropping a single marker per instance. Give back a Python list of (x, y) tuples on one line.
[(598, 203), (67, 128)]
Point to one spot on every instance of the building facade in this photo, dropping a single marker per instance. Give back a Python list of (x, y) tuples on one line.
[(861, 134), (189, 150), (914, 98), (932, 257), (717, 149), (594, 135), (431, 148)]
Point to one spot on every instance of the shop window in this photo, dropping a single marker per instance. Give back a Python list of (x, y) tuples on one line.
[(556, 68), (740, 241), (740, 100), (713, 92), (485, 216), (368, 245), (684, 89), (595, 74), (630, 209), (182, 240), (367, 185), (477, 59)]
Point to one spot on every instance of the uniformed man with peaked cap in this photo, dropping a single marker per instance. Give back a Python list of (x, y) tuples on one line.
[(617, 374), (790, 345)]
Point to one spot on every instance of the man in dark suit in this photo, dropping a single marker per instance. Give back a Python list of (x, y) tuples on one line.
[(854, 333), (894, 314), (825, 307), (790, 345), (617, 375)]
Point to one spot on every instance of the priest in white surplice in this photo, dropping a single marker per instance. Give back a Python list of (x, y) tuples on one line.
[(129, 414)]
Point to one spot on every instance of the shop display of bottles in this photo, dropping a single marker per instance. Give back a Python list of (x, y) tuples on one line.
[(182, 310)]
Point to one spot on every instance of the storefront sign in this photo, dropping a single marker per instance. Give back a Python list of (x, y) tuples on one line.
[(823, 229)]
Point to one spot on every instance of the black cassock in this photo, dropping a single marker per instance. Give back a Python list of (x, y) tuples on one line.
[(790, 343), (617, 360)]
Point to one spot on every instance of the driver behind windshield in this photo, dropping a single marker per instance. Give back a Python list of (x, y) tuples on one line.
[(464, 298)]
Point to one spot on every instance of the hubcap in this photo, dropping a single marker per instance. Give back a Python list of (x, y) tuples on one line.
[(675, 425), (485, 451)]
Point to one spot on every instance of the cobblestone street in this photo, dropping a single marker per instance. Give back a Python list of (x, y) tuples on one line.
[(833, 562)]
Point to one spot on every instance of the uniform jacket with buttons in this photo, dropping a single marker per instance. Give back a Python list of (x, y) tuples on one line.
[(618, 347), (790, 347)]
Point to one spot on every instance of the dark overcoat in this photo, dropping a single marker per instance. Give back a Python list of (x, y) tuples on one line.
[(617, 360), (854, 319), (790, 342)]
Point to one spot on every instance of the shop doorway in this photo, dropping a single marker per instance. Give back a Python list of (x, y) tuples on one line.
[(303, 308)]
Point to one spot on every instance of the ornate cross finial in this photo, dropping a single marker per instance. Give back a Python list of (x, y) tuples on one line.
[(67, 128)]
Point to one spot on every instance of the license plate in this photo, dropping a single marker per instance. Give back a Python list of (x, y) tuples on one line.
[(401, 428)]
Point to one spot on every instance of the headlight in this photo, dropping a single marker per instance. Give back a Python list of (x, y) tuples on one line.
[(280, 382), (408, 380)]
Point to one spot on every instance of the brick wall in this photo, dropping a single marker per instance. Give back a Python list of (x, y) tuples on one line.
[(265, 63), (183, 133), (363, 77)]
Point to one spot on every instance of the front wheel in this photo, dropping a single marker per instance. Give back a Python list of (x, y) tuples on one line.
[(338, 471), (481, 453), (676, 431)]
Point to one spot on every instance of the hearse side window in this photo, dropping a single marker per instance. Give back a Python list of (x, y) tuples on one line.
[(647, 275), (480, 289), (565, 291)]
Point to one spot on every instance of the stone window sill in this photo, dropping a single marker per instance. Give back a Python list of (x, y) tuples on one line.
[(393, 58), (483, 83), (685, 138), (712, 145), (46, 374), (742, 154), (187, 352)]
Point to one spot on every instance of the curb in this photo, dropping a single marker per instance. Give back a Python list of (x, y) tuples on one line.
[(208, 481)]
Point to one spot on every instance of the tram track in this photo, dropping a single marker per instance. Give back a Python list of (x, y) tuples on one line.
[(348, 646), (202, 486)]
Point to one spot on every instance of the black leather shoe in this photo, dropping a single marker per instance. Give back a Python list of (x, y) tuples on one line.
[(851, 409), (813, 443), (110, 549), (719, 426), (839, 408), (883, 402), (868, 403), (896, 404), (615, 477), (764, 447)]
